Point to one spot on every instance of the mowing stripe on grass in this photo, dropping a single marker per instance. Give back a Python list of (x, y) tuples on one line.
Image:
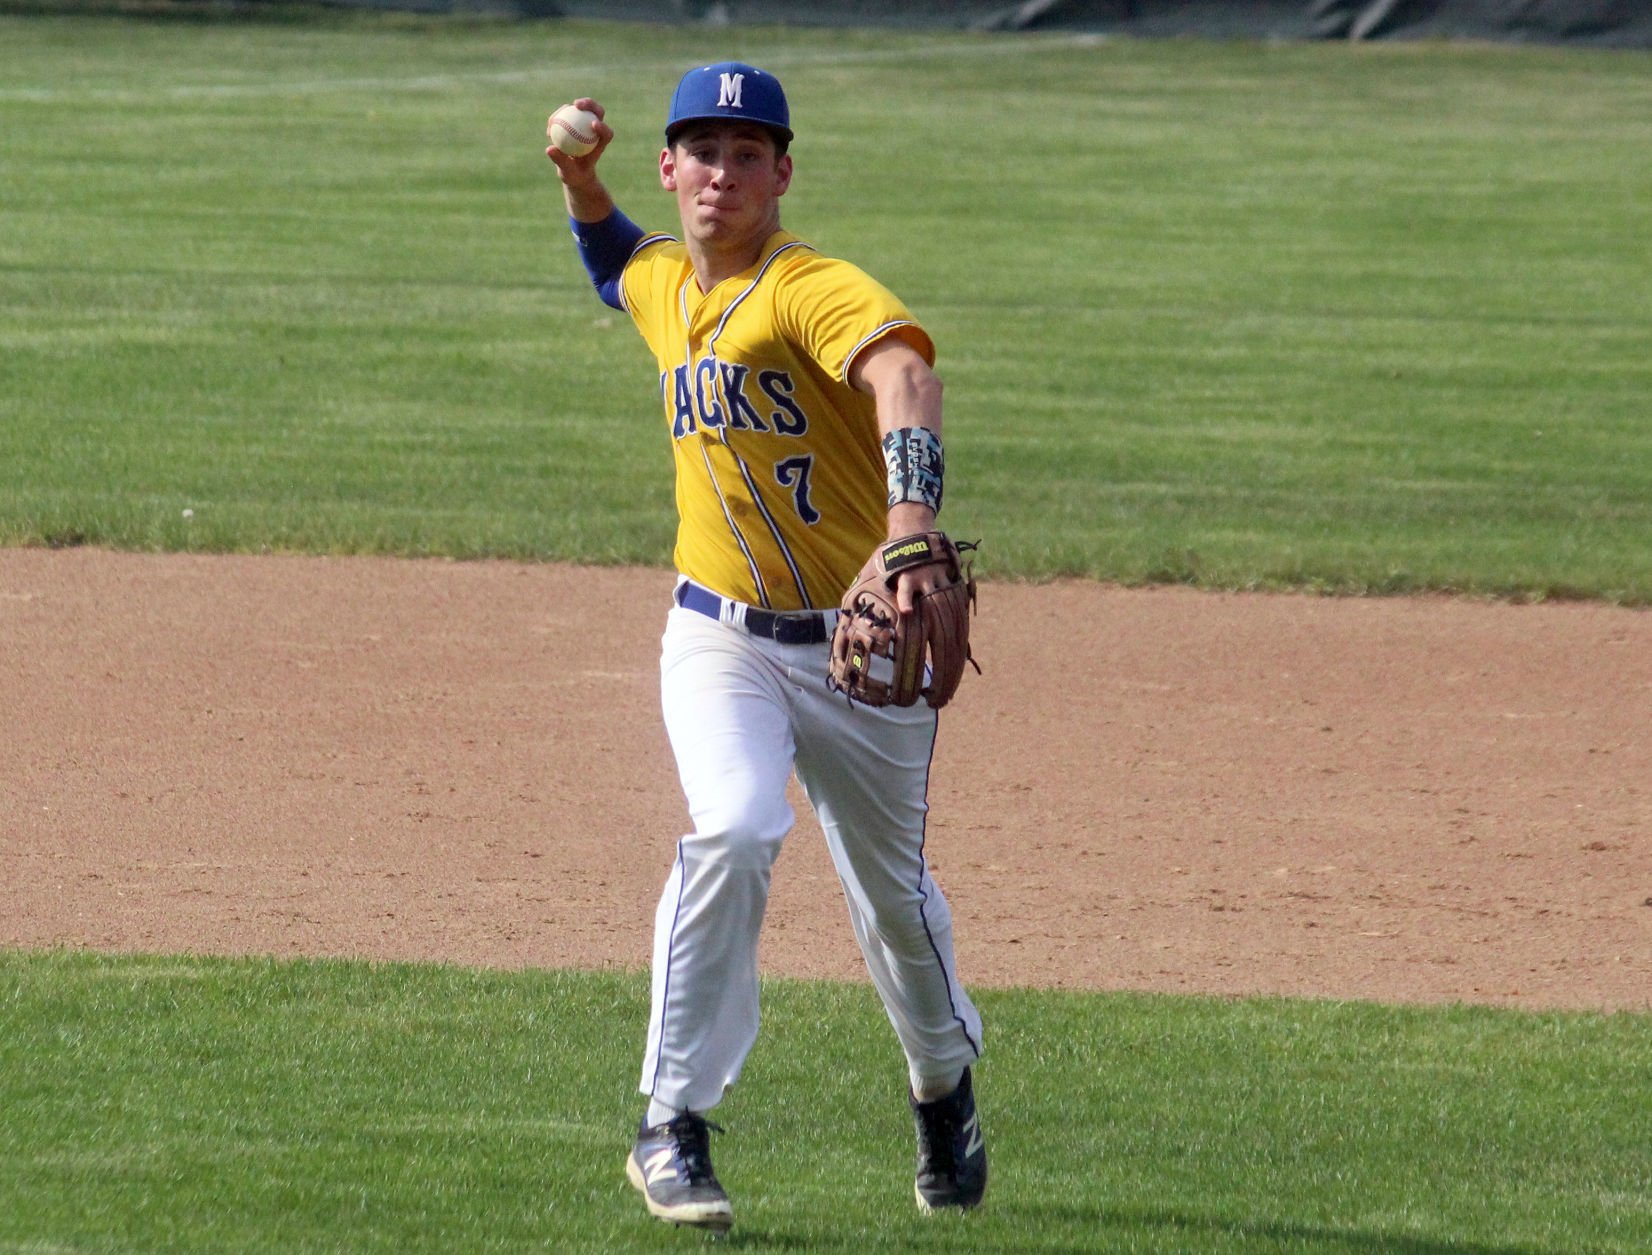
[(551, 72)]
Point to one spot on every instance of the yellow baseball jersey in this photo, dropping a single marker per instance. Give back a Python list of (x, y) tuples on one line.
[(781, 488)]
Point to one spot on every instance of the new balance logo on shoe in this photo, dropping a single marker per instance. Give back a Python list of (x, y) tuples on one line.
[(658, 1166), (972, 1132)]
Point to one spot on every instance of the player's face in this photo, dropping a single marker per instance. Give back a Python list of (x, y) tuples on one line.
[(728, 181)]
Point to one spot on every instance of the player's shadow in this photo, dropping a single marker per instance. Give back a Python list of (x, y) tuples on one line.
[(1112, 1228)]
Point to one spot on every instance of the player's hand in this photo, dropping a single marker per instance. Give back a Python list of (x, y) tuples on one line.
[(580, 170), (912, 585), (906, 586), (906, 519)]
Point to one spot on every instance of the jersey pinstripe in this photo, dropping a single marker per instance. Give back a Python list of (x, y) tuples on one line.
[(779, 476)]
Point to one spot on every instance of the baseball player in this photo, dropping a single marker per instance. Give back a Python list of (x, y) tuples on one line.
[(805, 426)]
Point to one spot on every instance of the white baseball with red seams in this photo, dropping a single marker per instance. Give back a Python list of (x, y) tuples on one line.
[(572, 130)]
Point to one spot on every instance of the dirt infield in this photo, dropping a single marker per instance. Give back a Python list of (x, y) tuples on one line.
[(1404, 800)]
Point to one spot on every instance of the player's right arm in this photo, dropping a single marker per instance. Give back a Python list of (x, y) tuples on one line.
[(606, 238)]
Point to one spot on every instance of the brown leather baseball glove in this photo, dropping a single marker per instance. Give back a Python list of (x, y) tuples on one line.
[(936, 632)]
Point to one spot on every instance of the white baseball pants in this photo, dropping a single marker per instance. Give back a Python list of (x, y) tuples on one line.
[(742, 712)]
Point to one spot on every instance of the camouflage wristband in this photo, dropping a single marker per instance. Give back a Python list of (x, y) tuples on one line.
[(913, 458)]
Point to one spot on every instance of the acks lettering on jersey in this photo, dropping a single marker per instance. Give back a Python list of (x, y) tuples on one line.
[(713, 394)]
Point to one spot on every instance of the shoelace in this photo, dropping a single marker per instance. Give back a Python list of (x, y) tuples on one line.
[(940, 1136), (692, 1135)]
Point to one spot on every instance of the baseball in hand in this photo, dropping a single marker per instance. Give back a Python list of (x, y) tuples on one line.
[(572, 130)]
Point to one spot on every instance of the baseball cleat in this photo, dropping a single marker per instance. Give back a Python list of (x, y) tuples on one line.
[(952, 1153), (671, 1165)]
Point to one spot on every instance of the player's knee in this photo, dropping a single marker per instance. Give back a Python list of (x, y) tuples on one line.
[(739, 834)]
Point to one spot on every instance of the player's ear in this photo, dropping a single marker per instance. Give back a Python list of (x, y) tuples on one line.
[(782, 174), (668, 170)]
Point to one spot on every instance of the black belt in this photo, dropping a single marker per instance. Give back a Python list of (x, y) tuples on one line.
[(807, 628)]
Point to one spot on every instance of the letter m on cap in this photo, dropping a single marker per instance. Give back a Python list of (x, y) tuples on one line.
[(728, 93)]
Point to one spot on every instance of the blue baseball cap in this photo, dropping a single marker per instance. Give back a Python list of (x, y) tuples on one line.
[(729, 91)]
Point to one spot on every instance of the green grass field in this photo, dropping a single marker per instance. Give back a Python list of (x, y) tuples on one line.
[(1362, 319), (210, 1105), (1356, 319)]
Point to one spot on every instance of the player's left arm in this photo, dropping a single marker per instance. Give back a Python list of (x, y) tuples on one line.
[(908, 396)]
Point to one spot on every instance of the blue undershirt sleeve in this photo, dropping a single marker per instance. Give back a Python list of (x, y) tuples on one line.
[(605, 247)]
